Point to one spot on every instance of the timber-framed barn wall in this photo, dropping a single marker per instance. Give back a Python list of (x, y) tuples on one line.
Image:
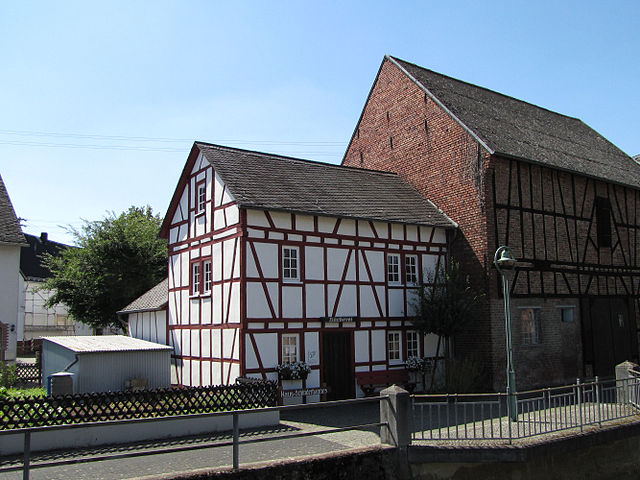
[(576, 293), (231, 307)]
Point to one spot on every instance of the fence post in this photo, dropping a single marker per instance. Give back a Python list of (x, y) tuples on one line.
[(623, 380), (396, 413), (236, 441), (27, 455), (598, 402), (579, 392)]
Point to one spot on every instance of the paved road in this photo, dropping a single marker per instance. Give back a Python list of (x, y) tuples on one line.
[(209, 457)]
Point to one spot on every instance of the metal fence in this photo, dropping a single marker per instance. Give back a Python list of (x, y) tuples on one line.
[(235, 442), (488, 416)]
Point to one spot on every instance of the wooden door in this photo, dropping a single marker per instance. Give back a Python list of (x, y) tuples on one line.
[(337, 365)]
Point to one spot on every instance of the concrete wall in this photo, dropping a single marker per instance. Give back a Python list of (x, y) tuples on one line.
[(75, 437)]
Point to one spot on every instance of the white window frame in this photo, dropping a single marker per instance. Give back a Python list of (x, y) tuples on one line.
[(394, 346), (196, 278), (393, 269), (289, 342), (536, 339), (201, 197), (413, 338), (207, 274), (411, 269), (290, 273)]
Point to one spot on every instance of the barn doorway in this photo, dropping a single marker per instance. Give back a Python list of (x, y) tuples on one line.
[(337, 365), (609, 334)]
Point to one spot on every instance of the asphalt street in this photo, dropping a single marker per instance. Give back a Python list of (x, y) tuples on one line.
[(211, 456)]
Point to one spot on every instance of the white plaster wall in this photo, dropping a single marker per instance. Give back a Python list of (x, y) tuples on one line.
[(10, 294), (150, 326)]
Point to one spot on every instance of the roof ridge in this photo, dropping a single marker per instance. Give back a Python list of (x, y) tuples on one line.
[(296, 159), (484, 88), (37, 237)]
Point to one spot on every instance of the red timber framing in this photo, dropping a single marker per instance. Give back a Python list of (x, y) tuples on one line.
[(338, 284)]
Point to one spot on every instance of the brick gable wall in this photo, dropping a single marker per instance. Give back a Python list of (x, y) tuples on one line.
[(403, 131)]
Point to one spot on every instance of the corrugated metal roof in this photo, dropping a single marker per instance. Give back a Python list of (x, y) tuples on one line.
[(105, 343)]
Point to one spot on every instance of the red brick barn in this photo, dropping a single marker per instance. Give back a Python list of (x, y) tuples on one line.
[(511, 173)]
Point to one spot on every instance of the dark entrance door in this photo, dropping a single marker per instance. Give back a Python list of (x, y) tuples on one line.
[(610, 331), (337, 365)]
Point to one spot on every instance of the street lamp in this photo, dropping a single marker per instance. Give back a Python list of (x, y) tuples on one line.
[(505, 263)]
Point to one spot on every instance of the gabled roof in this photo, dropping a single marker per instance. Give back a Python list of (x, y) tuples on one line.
[(514, 128), (10, 231), (32, 263), (274, 182), (155, 299)]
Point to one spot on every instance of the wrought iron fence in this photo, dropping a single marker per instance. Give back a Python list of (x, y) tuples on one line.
[(487, 416), (28, 412)]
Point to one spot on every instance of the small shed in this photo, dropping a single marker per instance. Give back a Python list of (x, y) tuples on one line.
[(147, 314), (107, 363)]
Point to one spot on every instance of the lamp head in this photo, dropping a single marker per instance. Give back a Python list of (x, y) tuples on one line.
[(504, 259)]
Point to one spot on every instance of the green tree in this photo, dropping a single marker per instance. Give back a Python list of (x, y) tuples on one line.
[(445, 305), (118, 259)]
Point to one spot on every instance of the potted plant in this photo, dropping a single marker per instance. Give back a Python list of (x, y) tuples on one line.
[(293, 370), (418, 368)]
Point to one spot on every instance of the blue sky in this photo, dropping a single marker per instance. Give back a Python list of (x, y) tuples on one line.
[(101, 101)]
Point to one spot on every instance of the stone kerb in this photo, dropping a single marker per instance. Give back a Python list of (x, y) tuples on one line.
[(396, 412)]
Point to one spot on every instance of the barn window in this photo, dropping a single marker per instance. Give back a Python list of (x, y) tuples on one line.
[(413, 345), (411, 269), (207, 275), (195, 276), (202, 197), (290, 270), (566, 314), (289, 348), (393, 346), (603, 221), (530, 318), (393, 268)]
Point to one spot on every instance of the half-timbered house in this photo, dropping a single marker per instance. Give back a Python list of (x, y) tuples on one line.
[(274, 259), (511, 173)]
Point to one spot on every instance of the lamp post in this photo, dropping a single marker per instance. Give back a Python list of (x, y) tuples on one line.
[(505, 263)]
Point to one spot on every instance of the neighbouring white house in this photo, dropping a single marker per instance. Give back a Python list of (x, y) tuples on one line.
[(39, 320), (147, 315), (11, 240), (275, 259)]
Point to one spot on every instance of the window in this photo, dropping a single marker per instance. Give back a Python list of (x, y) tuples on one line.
[(195, 276), (207, 275), (202, 197), (411, 269), (566, 314), (290, 263), (393, 346), (289, 348), (393, 268), (603, 221), (413, 344), (530, 326)]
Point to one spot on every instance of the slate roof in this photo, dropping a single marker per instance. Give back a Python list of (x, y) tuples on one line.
[(154, 299), (512, 127), (274, 182), (32, 263), (10, 231), (104, 343)]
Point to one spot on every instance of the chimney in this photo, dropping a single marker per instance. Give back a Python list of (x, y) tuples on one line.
[(44, 237)]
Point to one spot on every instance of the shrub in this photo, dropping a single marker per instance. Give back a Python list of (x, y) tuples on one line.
[(8, 374)]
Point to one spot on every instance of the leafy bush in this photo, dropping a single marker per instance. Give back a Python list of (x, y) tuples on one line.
[(8, 374), (465, 375)]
